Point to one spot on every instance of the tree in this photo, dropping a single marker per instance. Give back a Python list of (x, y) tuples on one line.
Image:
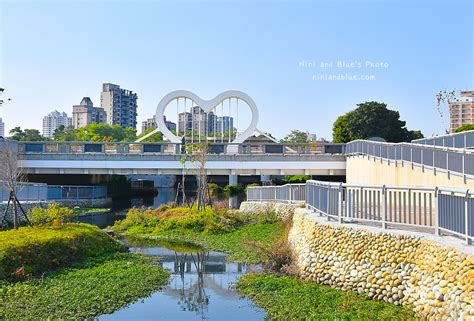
[(371, 119), (105, 133), (27, 135), (443, 98), (295, 137), (155, 138), (65, 134), (198, 153), (464, 128), (11, 177)]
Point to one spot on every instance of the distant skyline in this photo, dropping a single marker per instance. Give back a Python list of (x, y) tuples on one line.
[(304, 63)]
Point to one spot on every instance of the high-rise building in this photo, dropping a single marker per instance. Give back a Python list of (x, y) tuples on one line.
[(195, 122), (120, 105), (201, 123), (151, 123), (2, 128), (185, 121), (225, 125), (85, 113), (461, 110), (53, 121)]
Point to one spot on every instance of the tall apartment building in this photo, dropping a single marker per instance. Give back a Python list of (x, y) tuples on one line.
[(205, 124), (195, 122), (120, 105), (225, 125), (85, 113), (151, 123), (53, 121), (2, 128), (461, 110)]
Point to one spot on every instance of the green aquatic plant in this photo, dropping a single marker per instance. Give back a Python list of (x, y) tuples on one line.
[(289, 298), (34, 250), (97, 286)]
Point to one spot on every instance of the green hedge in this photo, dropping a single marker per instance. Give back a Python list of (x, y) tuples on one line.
[(33, 250)]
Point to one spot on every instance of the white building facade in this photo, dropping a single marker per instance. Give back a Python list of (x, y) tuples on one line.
[(53, 121)]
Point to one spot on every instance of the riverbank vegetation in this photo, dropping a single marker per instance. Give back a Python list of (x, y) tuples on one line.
[(94, 287), (34, 250), (290, 298), (79, 211), (58, 270), (214, 229)]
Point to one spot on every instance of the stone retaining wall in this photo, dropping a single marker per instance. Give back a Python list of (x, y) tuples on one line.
[(435, 281), (284, 210)]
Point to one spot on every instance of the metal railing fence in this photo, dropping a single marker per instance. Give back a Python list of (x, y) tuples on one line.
[(436, 210), (37, 192), (453, 160), (120, 148), (27, 192), (289, 193), (456, 140)]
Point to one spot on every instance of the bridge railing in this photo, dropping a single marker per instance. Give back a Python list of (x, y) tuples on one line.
[(289, 193), (37, 192), (456, 140), (435, 210), (171, 148), (453, 160)]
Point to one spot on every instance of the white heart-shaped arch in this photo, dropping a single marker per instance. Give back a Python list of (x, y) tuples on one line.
[(206, 106)]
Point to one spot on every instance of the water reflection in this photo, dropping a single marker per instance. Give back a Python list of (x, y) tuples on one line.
[(201, 287)]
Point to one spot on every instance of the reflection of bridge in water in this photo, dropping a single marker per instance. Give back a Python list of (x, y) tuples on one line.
[(196, 272)]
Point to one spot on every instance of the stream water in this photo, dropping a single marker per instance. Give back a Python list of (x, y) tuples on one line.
[(201, 287)]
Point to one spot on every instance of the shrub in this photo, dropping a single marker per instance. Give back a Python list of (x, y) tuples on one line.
[(277, 254), (209, 220), (234, 190), (296, 179), (215, 191), (33, 250), (53, 214)]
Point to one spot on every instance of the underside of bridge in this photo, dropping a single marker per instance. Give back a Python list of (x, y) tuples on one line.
[(98, 179)]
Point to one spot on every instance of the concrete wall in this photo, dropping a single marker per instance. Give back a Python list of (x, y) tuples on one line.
[(435, 281), (365, 170)]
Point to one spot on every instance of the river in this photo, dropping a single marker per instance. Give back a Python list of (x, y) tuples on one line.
[(201, 287)]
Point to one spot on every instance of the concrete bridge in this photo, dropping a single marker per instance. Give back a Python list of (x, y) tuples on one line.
[(443, 161), (165, 158)]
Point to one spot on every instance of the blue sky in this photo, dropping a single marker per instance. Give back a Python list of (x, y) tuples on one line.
[(55, 52)]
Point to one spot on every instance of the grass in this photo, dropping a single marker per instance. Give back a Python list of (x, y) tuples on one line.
[(89, 210), (34, 250), (233, 243), (95, 287), (217, 230), (289, 298)]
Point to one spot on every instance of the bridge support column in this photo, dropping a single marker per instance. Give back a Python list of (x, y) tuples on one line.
[(233, 200)]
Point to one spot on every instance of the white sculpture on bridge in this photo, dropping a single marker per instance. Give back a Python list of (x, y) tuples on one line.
[(206, 106)]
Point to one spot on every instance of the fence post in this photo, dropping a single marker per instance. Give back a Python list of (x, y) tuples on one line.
[(422, 164), (384, 207), (447, 163), (291, 190), (436, 209), (275, 189), (328, 189), (260, 194), (339, 203), (466, 216), (463, 164)]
